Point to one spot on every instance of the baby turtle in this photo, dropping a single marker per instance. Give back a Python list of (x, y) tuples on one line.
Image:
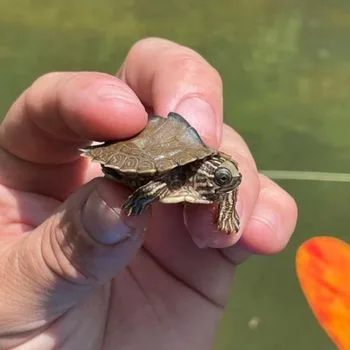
[(169, 162)]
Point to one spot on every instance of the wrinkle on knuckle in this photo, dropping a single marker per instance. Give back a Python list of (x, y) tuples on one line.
[(39, 95), (140, 49), (179, 57), (53, 99), (192, 64), (162, 54), (66, 249), (46, 78)]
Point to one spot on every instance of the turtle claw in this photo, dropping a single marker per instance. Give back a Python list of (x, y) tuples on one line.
[(143, 197), (228, 225), (136, 205)]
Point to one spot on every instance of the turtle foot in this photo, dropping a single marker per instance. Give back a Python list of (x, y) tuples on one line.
[(135, 205), (228, 225)]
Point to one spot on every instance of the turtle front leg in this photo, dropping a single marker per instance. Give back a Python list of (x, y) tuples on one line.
[(140, 200), (228, 219)]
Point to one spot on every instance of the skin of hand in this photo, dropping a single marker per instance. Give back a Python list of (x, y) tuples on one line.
[(75, 272)]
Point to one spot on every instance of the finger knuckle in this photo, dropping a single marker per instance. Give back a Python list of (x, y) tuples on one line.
[(33, 94), (180, 58), (143, 47), (191, 63), (62, 236), (44, 79)]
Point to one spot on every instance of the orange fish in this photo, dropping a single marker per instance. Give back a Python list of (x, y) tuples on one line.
[(323, 269)]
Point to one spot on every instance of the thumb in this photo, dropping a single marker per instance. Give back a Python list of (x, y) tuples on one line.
[(86, 242)]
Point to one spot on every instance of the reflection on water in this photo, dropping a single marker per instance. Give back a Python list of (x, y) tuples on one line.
[(286, 72)]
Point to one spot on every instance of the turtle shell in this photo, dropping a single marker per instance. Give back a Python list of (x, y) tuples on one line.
[(164, 144)]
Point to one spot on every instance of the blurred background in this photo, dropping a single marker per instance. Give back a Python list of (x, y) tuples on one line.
[(286, 71)]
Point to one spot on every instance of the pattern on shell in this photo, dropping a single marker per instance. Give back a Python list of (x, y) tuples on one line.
[(164, 144)]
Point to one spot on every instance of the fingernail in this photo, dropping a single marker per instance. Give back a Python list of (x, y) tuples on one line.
[(204, 233), (109, 225), (200, 115), (237, 253), (215, 240), (202, 242)]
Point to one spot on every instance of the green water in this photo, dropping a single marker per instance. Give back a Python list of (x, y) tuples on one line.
[(286, 71)]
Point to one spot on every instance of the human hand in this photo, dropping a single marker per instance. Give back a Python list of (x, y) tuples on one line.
[(76, 273)]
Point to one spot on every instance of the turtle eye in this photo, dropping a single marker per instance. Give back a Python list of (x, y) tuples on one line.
[(222, 176)]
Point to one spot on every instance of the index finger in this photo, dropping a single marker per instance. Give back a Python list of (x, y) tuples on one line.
[(61, 111), (170, 77)]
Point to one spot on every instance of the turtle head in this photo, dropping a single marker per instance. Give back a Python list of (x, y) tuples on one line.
[(216, 176), (226, 176)]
